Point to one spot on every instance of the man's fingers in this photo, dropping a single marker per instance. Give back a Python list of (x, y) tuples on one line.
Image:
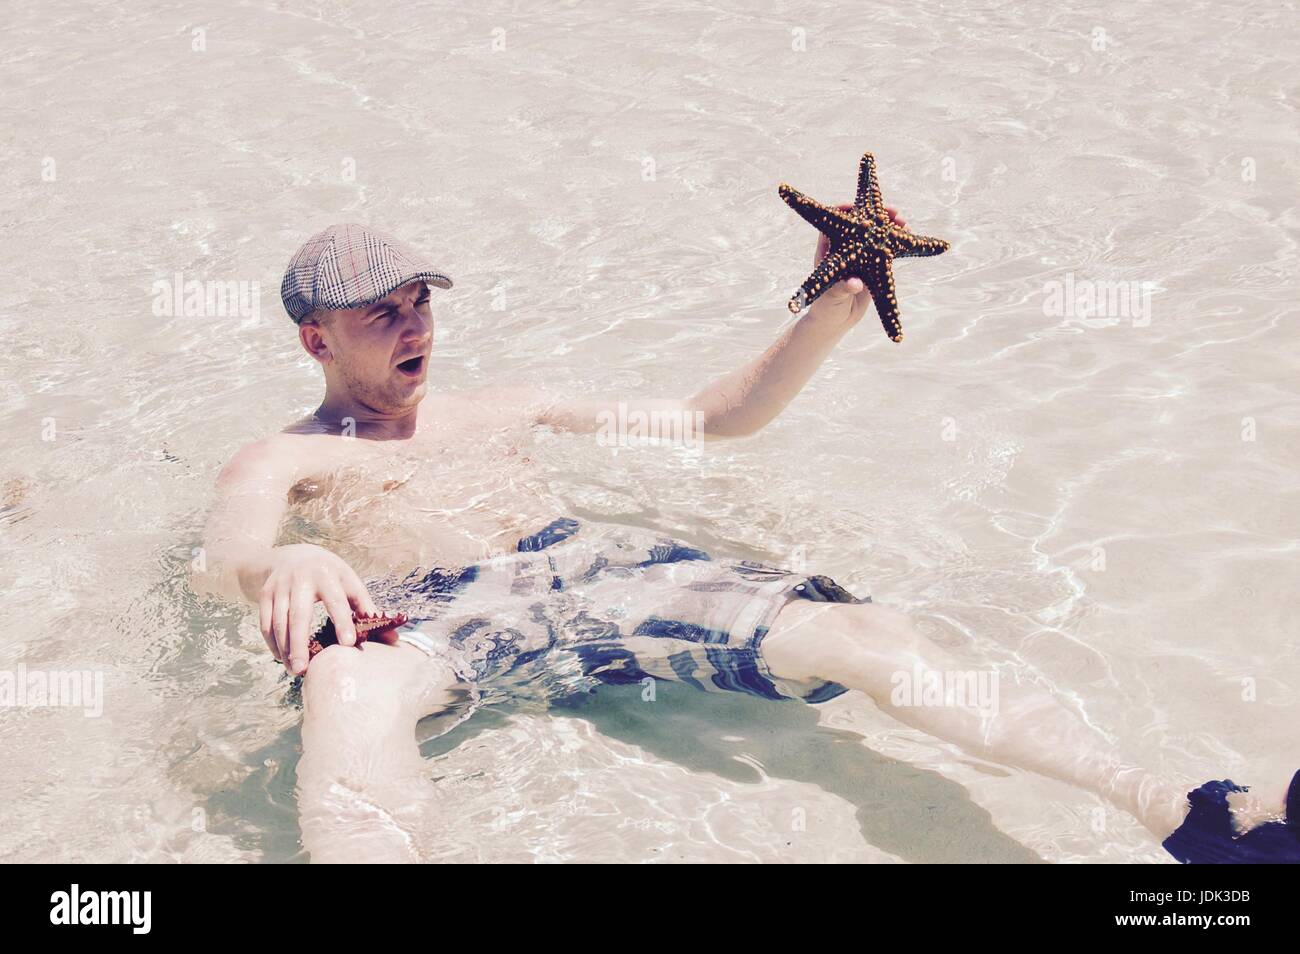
[(265, 618), (302, 603), (357, 593), (336, 604), (280, 623), (845, 288)]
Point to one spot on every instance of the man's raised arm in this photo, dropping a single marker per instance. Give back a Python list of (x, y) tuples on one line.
[(743, 401), (740, 402), (736, 404)]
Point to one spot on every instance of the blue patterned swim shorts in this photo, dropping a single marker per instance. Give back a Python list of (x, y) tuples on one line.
[(585, 603)]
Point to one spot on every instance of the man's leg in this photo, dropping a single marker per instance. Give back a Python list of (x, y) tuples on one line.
[(863, 646), (362, 784)]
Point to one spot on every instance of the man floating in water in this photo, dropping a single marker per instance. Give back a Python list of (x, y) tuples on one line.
[(427, 495)]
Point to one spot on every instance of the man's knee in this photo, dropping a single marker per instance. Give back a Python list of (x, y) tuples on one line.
[(332, 665), (817, 638), (345, 675), (380, 678), (874, 623), (848, 624)]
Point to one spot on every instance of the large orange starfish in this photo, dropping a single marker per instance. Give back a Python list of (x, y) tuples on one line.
[(864, 241)]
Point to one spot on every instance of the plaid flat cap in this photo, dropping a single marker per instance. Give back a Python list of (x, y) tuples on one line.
[(348, 266)]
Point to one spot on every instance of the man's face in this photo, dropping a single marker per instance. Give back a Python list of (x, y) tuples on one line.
[(379, 353)]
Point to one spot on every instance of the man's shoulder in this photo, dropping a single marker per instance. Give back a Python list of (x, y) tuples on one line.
[(270, 457)]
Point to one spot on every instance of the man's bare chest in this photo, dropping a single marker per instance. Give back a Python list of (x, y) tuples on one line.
[(443, 468)]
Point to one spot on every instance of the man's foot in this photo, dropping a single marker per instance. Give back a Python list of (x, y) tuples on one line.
[(1208, 835)]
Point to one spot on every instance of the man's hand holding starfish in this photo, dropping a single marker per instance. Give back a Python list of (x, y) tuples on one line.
[(847, 300)]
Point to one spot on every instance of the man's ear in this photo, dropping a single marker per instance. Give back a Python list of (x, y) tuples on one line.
[(313, 342)]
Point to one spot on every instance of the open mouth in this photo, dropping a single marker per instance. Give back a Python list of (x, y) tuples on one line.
[(412, 366)]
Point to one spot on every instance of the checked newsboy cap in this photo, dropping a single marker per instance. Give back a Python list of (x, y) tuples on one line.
[(349, 266)]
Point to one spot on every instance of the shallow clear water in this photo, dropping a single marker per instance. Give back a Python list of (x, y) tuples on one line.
[(1107, 503)]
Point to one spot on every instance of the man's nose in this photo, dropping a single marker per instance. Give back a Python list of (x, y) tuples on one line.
[(417, 327)]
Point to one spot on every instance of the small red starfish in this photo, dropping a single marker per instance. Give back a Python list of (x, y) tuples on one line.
[(381, 628)]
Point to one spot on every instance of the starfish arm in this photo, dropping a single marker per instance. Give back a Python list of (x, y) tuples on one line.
[(919, 246), (830, 221), (827, 273), (878, 276), (868, 188)]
